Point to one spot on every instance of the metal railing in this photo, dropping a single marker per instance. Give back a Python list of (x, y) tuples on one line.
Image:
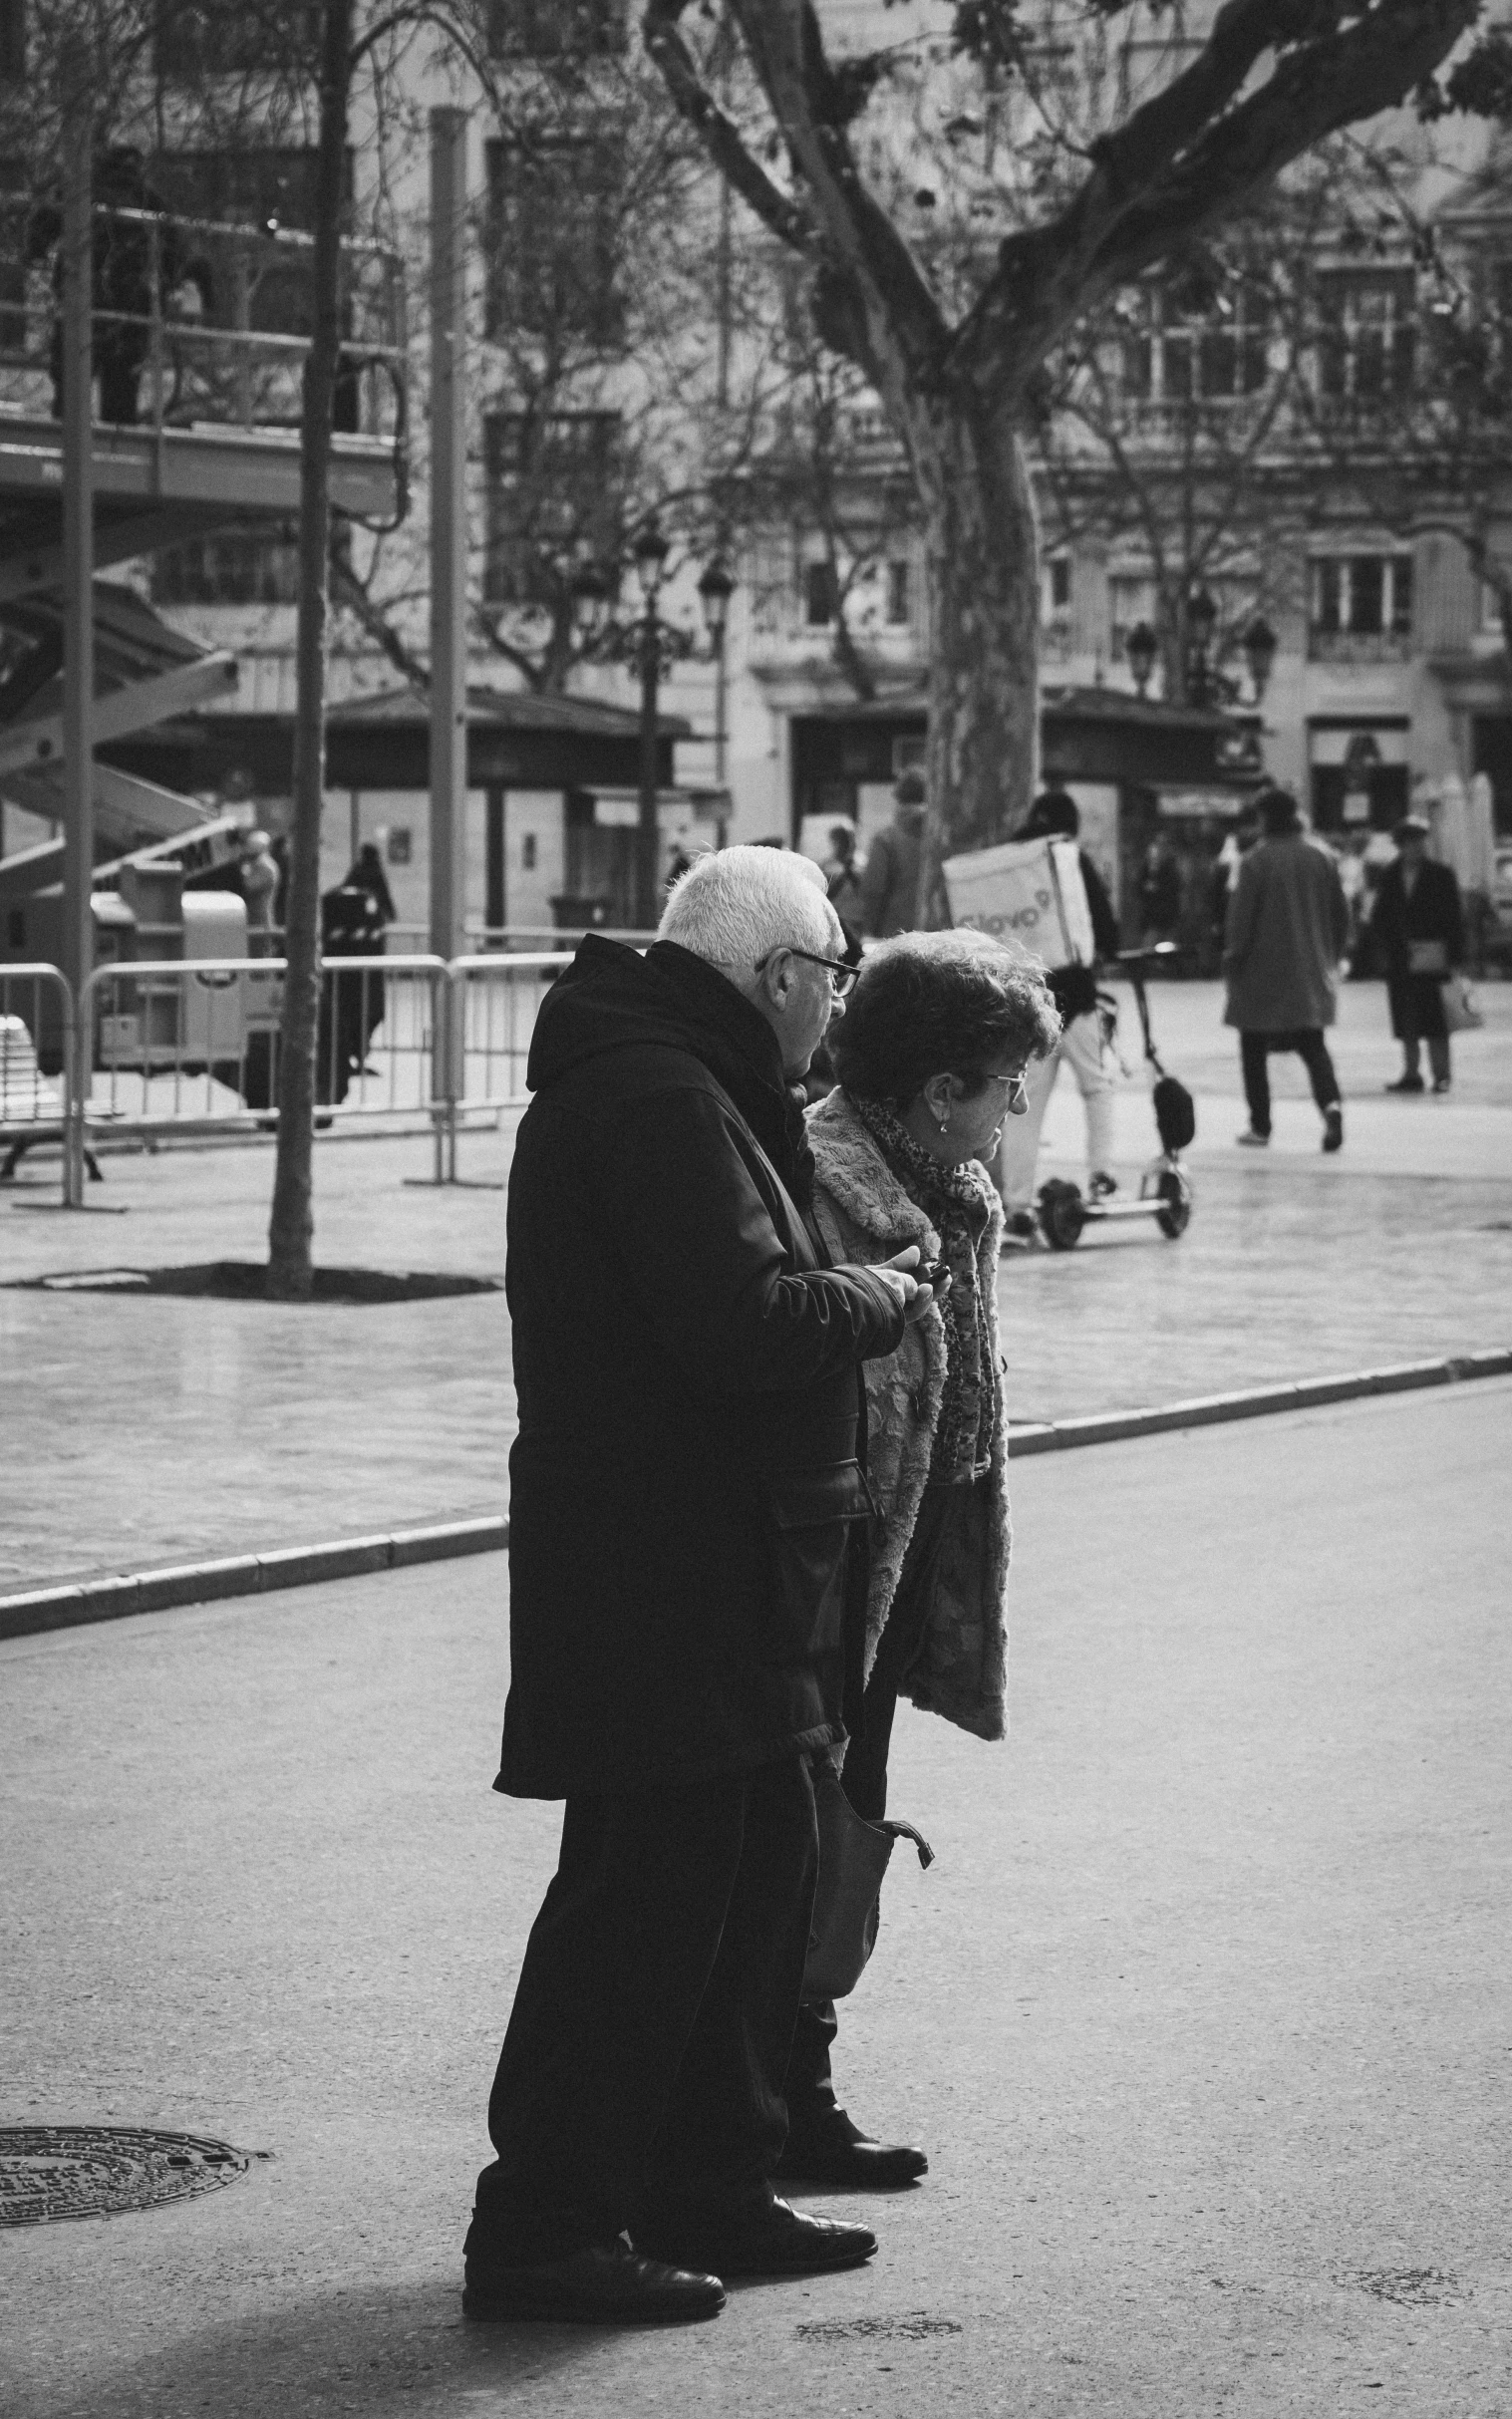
[(213, 293), (36, 1033), (192, 1048)]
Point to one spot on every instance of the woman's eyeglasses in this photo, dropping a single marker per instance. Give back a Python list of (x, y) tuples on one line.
[(842, 978)]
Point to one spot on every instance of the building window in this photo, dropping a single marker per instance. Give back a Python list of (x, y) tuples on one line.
[(899, 605), (1197, 343), (12, 41), (194, 38), (400, 844), (820, 600), (527, 853), (553, 498), (1360, 604), (1366, 334), (233, 570), (552, 206), (555, 29)]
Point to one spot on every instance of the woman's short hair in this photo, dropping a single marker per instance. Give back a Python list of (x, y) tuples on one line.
[(939, 1002), (734, 906)]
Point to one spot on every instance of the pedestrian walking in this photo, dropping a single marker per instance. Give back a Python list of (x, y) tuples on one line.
[(891, 884), (354, 917), (842, 874), (1082, 1046), (1288, 928), (1417, 929), (689, 1525), (931, 1059)]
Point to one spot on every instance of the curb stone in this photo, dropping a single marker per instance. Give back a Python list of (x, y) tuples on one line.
[(66, 1608)]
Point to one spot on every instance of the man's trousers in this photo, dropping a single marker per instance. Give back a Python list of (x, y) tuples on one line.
[(1311, 1048), (644, 2056)]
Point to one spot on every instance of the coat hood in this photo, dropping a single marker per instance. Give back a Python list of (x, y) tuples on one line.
[(612, 998)]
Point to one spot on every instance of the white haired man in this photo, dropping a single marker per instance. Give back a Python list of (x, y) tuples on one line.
[(687, 1557)]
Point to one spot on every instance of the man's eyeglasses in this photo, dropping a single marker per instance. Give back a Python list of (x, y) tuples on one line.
[(842, 978)]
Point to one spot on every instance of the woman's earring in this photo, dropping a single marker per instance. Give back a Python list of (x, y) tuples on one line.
[(944, 1125)]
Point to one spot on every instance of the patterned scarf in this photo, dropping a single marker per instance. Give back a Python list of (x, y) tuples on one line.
[(951, 1199)]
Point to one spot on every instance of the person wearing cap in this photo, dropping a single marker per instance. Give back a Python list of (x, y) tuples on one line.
[(891, 884), (1288, 927), (1055, 815), (1417, 929)]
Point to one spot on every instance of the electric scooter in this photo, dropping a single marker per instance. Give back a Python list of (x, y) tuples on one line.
[(1165, 1188)]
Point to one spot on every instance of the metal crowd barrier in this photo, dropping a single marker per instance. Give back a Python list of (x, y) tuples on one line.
[(36, 1064), (184, 1045), (495, 1000), (190, 1047)]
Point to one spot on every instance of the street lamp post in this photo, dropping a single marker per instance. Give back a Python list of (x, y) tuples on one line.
[(1205, 683), (650, 647)]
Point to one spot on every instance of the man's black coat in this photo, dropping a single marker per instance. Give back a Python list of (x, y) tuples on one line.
[(687, 1475)]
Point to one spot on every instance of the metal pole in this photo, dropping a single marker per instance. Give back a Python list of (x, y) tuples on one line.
[(648, 832), (78, 585), (720, 708), (448, 579)]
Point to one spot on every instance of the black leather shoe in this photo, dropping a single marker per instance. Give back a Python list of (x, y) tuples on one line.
[(1406, 1083), (607, 2285), (854, 2161), (775, 2241)]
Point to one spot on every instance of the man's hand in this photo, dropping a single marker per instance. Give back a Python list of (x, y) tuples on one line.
[(897, 1275)]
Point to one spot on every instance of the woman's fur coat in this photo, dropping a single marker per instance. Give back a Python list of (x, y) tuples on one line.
[(865, 1215)]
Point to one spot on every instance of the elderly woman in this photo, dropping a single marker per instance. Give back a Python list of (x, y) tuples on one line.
[(931, 1058)]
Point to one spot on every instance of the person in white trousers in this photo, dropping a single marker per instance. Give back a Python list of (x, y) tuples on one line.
[(1054, 815)]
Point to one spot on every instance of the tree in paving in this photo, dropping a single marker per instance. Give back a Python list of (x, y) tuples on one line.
[(1097, 159), (286, 66)]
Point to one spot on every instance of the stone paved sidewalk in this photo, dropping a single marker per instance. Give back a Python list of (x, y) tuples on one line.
[(138, 1432)]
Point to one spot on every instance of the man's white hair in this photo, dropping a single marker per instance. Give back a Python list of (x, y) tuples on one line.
[(734, 906)]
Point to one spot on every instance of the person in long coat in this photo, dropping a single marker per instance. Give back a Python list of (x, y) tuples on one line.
[(1417, 928), (689, 1519), (931, 1059), (1288, 927)]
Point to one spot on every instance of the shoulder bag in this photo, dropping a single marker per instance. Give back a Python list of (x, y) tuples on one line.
[(847, 1900)]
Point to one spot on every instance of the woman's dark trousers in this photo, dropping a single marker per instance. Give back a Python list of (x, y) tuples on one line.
[(644, 2061), (811, 2087), (1310, 1049)]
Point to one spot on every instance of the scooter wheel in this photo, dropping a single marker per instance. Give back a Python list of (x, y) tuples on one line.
[(1175, 1197), (1062, 1214)]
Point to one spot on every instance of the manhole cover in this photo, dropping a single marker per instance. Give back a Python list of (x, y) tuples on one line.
[(913, 2324), (100, 2171)]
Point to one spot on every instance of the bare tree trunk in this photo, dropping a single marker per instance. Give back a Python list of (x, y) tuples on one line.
[(291, 1228), (984, 643)]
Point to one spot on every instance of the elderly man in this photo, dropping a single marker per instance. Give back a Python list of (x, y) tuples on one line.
[(688, 1526)]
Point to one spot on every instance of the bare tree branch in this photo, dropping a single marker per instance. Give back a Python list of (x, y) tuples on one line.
[(1048, 276), (694, 102)]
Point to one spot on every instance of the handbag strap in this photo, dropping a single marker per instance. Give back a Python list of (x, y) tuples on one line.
[(906, 1831)]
